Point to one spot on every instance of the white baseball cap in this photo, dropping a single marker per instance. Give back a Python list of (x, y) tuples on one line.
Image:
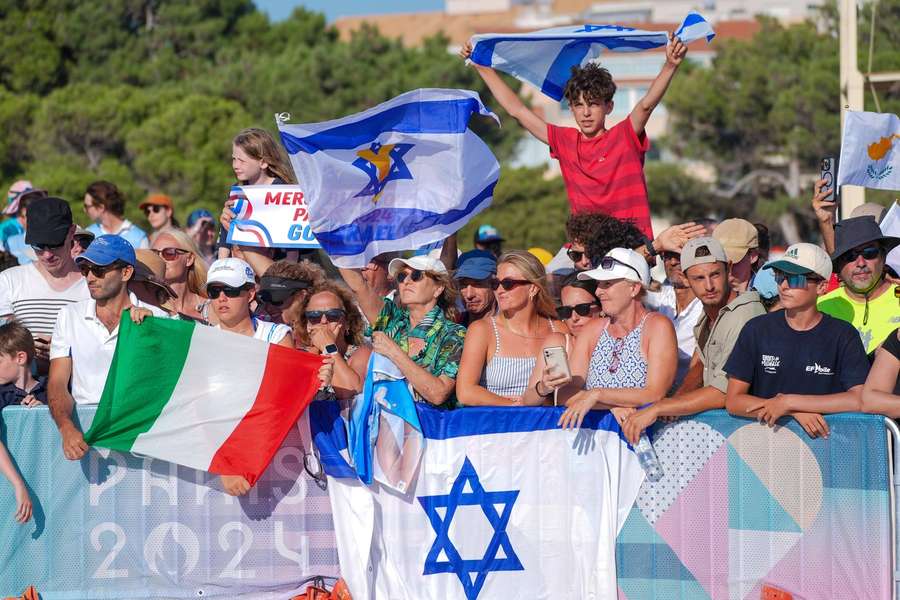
[(419, 263), (803, 258), (232, 272), (620, 263)]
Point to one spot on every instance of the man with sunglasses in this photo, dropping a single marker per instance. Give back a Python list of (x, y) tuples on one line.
[(798, 361), (476, 269), (376, 275), (34, 293), (86, 333), (866, 298), (724, 314)]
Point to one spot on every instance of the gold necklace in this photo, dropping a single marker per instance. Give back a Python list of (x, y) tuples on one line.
[(521, 335)]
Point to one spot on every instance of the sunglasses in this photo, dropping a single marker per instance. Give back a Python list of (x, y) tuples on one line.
[(276, 298), (583, 309), (869, 253), (413, 275), (152, 208), (332, 315), (99, 271), (574, 255), (170, 254), (670, 256), (795, 282), (608, 263), (38, 248), (214, 291), (508, 284)]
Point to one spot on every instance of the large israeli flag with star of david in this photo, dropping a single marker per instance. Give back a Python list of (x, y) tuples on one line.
[(545, 58), (504, 505), (404, 174)]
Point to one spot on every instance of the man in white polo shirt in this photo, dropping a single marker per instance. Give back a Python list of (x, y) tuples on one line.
[(85, 335)]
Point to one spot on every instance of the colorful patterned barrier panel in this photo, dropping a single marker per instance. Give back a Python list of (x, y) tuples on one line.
[(743, 505), (127, 527)]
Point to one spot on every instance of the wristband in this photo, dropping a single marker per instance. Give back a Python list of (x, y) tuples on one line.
[(651, 251), (538, 392)]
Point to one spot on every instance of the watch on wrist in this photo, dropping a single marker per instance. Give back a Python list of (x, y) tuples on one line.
[(331, 349), (650, 249)]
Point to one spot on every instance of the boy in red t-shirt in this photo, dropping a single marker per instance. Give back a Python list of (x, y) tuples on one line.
[(603, 168)]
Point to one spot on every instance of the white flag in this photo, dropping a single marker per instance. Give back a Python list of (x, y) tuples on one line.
[(870, 151)]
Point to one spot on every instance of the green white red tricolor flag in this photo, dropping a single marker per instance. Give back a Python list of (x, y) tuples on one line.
[(201, 397)]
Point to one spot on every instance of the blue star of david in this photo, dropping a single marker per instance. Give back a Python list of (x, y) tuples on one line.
[(383, 164), (471, 573)]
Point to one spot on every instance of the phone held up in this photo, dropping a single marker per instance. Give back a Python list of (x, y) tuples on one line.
[(828, 175)]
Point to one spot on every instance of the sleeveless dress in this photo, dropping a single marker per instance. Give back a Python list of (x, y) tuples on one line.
[(618, 362), (507, 376)]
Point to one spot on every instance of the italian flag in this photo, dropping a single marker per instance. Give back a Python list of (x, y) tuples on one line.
[(201, 397)]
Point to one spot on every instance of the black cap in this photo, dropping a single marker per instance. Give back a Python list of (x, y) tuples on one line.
[(856, 231), (48, 221)]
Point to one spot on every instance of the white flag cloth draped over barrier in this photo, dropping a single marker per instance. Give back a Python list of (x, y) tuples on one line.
[(505, 505), (870, 151), (890, 225), (270, 216), (545, 58), (404, 174)]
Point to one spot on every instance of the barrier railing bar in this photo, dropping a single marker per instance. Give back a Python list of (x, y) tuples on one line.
[(891, 426)]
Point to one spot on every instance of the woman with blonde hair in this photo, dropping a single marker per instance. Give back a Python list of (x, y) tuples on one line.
[(416, 332), (326, 321), (501, 352), (185, 273)]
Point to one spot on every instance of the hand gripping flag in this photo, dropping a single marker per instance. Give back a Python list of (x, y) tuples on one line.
[(545, 58), (504, 505), (406, 173), (870, 151), (384, 434), (196, 396)]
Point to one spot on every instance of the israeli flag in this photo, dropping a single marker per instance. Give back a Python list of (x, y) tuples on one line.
[(545, 58), (870, 150), (504, 505), (406, 173)]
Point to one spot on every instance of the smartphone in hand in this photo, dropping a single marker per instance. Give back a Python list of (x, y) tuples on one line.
[(555, 357), (827, 173)]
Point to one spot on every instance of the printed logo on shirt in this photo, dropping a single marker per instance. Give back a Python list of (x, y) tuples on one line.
[(770, 363), (819, 369)]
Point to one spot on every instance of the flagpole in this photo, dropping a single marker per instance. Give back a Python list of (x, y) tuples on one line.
[(851, 196)]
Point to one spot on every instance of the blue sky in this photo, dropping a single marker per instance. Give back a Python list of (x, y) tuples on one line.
[(281, 9)]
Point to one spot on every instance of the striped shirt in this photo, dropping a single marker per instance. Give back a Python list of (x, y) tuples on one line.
[(605, 173), (26, 294)]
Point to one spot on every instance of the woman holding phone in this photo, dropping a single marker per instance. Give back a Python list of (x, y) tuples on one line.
[(501, 352), (621, 362)]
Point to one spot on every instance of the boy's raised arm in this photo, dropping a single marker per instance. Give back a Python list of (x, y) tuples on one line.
[(508, 98), (675, 53)]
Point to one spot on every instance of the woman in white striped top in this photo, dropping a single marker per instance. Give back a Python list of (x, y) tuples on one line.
[(500, 352)]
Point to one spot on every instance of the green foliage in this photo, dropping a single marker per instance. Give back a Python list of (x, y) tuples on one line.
[(528, 209), (149, 93), (675, 193)]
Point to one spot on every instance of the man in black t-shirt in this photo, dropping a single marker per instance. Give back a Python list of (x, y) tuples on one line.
[(797, 361)]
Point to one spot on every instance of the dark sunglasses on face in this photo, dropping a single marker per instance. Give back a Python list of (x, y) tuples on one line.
[(98, 271), (869, 253), (214, 291), (508, 284), (38, 248), (332, 315), (276, 298), (584, 309), (414, 275), (170, 253), (152, 208), (796, 282), (671, 256), (574, 255)]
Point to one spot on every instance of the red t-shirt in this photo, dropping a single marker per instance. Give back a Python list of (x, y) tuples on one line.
[(605, 173)]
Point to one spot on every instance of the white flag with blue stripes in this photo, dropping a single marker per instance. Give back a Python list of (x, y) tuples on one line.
[(504, 505), (406, 173), (545, 58)]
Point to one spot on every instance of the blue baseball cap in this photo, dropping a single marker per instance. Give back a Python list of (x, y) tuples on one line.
[(200, 213), (476, 264), (106, 250), (764, 282), (487, 233)]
